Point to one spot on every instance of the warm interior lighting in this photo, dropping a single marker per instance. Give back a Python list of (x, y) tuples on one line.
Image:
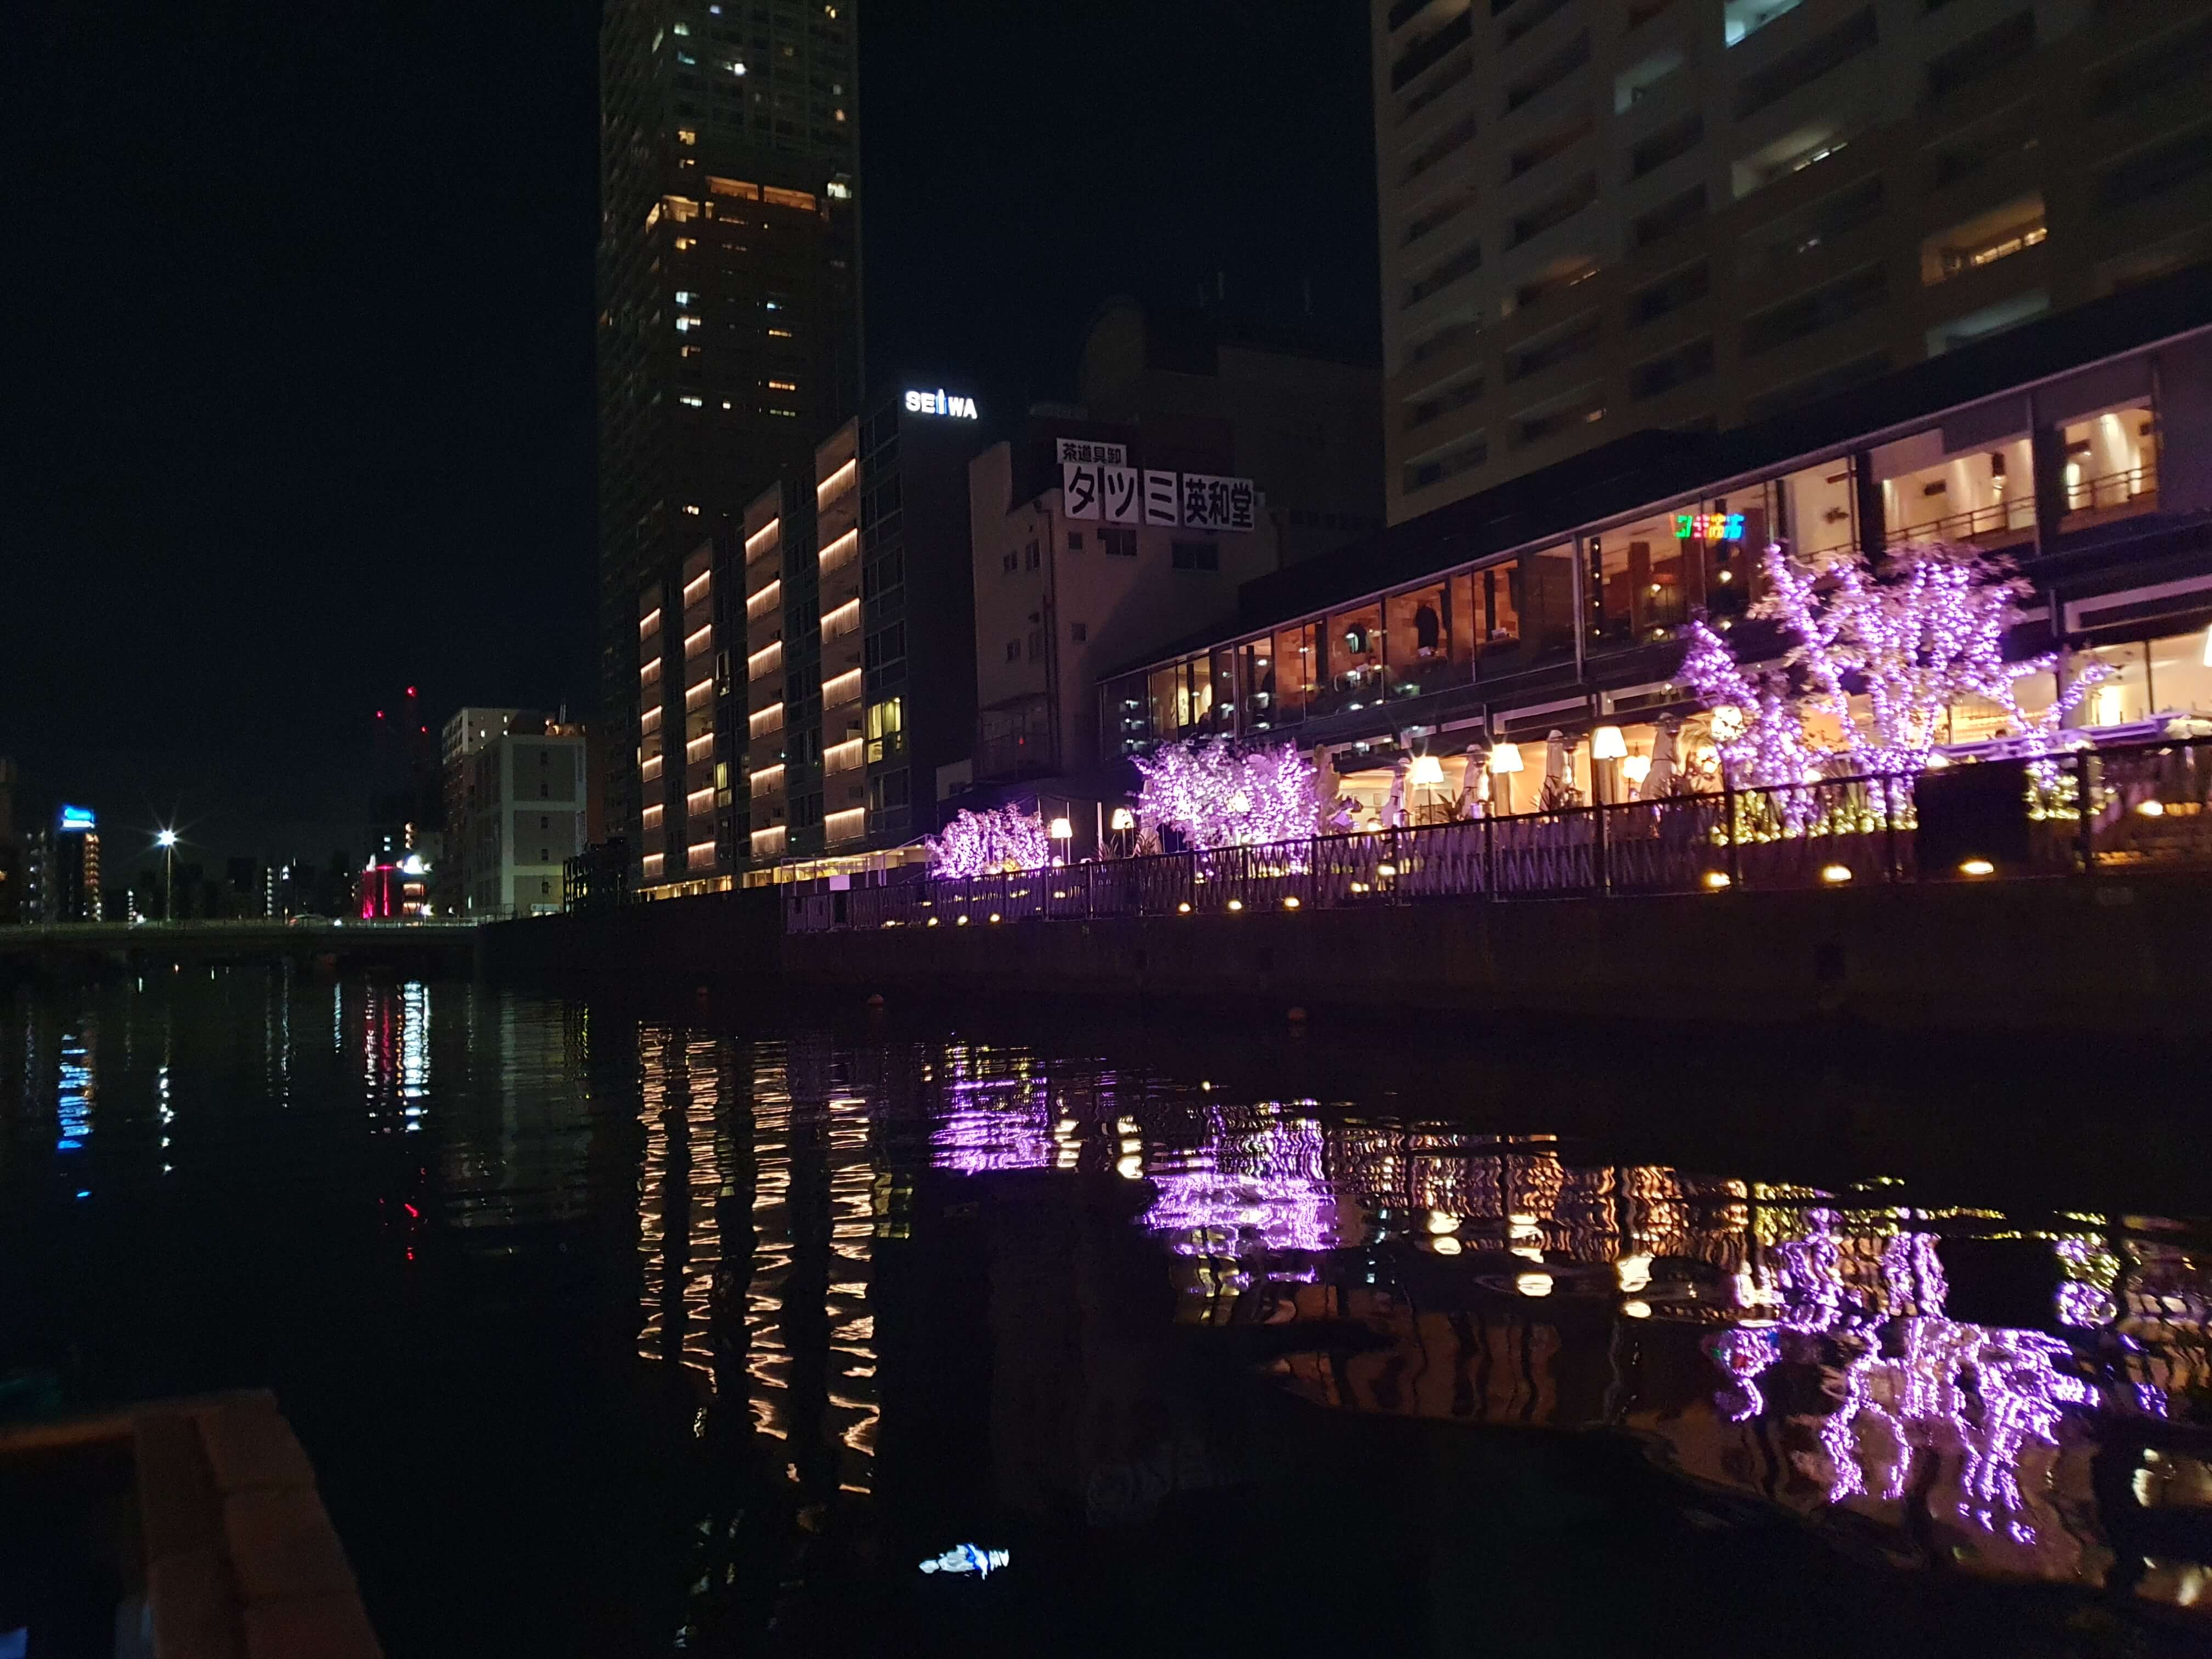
[(1446, 1245), (1236, 904), (1505, 758), (1290, 904), (1124, 819), (1976, 867), (754, 541), (1607, 744), (1836, 873), (2150, 809), (1714, 880), (1183, 910), (1635, 768), (1062, 829), (1427, 773)]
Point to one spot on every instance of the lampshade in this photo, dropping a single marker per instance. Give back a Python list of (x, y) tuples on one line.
[(1062, 829), (1428, 773), (1607, 744), (1124, 819), (1505, 757)]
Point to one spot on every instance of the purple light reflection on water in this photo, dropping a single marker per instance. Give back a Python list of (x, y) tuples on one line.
[(1263, 1187), (1910, 1379)]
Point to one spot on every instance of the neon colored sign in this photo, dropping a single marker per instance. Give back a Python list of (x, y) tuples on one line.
[(1709, 526), (76, 818)]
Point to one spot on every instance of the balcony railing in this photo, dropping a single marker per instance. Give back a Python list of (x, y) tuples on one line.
[(2151, 810)]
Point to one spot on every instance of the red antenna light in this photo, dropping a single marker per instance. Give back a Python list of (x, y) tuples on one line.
[(410, 690), (380, 713)]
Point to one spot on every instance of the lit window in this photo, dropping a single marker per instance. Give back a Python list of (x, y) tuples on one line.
[(692, 510), (837, 115), (683, 244), (682, 296), (687, 59), (840, 191), (685, 135), (696, 403), (680, 28), (735, 68), (684, 325), (782, 386), (779, 334)]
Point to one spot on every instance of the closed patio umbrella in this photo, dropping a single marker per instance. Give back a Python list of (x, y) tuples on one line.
[(1474, 783), (1559, 788), (1659, 780)]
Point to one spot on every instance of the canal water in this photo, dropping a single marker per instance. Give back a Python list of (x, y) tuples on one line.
[(812, 1331)]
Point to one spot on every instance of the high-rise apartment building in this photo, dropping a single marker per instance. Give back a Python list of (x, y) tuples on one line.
[(860, 631), (1692, 214), (61, 869), (729, 309)]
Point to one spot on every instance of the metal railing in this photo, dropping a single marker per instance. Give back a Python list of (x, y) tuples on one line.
[(2151, 809)]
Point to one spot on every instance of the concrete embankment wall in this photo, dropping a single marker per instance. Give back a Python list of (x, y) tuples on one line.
[(2104, 955), (717, 939)]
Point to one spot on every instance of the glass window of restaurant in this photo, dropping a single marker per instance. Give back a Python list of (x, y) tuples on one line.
[(1970, 481), (2112, 463), (1221, 699), (1279, 676), (1639, 577), (1421, 636), (1811, 511), (1178, 697), (1521, 613), (1355, 677), (2162, 676)]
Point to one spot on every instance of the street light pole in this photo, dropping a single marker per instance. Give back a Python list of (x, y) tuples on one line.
[(167, 840)]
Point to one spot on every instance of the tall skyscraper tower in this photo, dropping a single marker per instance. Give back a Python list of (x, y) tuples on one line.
[(729, 327)]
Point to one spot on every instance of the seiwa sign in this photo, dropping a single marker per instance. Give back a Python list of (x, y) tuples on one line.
[(938, 403), (1129, 495)]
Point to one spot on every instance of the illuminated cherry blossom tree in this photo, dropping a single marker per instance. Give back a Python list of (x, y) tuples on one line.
[(1217, 792), (1914, 634), (1000, 839)]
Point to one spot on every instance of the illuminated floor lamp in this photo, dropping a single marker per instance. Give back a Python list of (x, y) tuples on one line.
[(1427, 776), (1504, 762), (1608, 749), (1063, 832)]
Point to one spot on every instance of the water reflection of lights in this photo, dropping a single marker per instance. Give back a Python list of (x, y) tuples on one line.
[(1858, 1295), (75, 1094), (733, 1124), (1256, 1184), (396, 1053)]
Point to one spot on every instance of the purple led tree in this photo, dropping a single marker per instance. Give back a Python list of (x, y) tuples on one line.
[(1216, 793), (998, 839), (1917, 632)]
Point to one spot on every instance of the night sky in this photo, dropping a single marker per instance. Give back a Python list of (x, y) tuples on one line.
[(300, 358)]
